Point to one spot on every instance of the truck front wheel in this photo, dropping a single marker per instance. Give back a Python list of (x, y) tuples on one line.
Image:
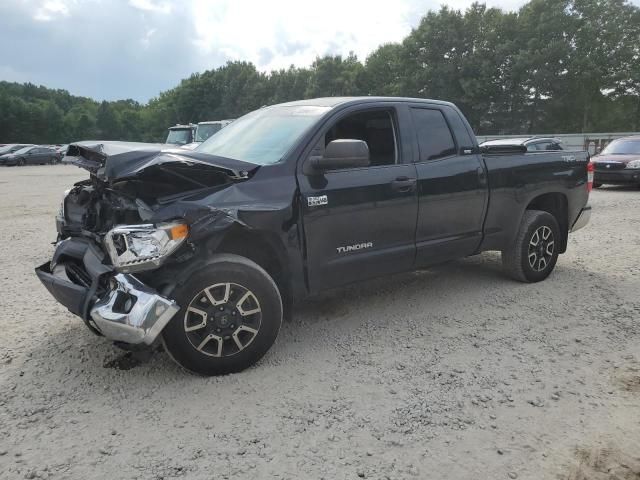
[(534, 253), (230, 316)]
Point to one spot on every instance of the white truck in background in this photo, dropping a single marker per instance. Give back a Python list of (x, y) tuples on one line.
[(204, 130)]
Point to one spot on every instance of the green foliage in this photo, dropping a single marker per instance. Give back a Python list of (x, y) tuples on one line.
[(554, 66)]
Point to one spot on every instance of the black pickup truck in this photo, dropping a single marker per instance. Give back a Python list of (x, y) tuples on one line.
[(207, 250)]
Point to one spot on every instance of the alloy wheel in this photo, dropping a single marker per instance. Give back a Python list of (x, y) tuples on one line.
[(222, 319), (541, 247)]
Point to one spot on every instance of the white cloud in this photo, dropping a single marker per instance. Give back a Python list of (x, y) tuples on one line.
[(278, 33), (51, 9), (138, 48), (152, 6), (146, 39)]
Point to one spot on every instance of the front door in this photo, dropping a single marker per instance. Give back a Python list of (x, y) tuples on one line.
[(360, 222)]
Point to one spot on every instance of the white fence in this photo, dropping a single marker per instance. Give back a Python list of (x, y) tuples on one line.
[(592, 142)]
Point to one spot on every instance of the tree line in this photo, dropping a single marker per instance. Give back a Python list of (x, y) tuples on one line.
[(555, 66)]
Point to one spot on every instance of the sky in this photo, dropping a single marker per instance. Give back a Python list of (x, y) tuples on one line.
[(118, 49)]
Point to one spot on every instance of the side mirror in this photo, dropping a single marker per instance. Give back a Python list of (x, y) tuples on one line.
[(345, 153)]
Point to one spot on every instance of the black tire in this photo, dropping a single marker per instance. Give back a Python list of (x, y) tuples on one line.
[(517, 261), (596, 185), (239, 273), (20, 162)]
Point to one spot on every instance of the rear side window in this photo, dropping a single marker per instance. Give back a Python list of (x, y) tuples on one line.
[(434, 137)]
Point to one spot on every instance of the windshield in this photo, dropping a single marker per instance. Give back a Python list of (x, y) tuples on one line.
[(264, 136), (205, 131), (179, 137), (22, 150), (622, 147), (5, 149)]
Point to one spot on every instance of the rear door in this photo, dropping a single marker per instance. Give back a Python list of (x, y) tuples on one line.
[(32, 157), (360, 222), (452, 186)]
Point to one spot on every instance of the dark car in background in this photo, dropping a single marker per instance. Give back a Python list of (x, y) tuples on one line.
[(61, 151), (13, 147), (31, 155), (618, 163), (533, 144)]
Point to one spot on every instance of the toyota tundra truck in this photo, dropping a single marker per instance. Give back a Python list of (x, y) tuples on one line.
[(206, 251)]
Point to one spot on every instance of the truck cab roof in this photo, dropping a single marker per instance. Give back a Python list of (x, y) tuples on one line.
[(344, 101)]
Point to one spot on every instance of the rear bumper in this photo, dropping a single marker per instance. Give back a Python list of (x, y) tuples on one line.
[(583, 219), (118, 306), (626, 176)]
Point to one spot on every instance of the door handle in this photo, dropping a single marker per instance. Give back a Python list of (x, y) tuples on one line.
[(403, 184)]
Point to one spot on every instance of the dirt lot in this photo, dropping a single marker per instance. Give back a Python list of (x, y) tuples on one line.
[(451, 373)]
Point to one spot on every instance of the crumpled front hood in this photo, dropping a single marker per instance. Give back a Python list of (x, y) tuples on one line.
[(110, 161)]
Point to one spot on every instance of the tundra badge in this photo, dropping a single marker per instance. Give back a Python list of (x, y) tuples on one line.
[(353, 248), (317, 201)]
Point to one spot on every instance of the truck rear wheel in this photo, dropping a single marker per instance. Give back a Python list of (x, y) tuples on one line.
[(230, 316), (534, 253)]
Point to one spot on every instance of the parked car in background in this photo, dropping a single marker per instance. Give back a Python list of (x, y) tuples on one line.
[(181, 134), (13, 147), (618, 163), (31, 155), (533, 144), (61, 150)]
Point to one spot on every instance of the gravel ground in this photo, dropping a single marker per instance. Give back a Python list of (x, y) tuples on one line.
[(449, 373)]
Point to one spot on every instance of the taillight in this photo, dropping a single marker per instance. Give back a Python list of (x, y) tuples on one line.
[(590, 169)]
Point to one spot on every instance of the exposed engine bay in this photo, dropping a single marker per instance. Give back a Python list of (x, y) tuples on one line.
[(139, 195)]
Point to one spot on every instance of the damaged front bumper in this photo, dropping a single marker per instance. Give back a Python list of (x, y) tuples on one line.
[(117, 306), (132, 312)]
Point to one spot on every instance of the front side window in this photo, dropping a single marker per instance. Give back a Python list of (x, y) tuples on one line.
[(263, 136), (434, 136), (373, 127)]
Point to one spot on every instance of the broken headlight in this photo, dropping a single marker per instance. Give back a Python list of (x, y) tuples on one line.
[(134, 248)]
